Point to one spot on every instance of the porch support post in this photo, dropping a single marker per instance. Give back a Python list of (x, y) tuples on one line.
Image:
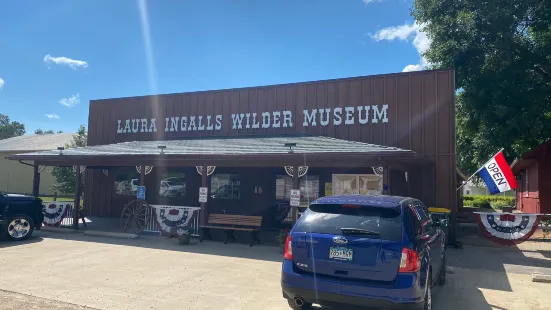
[(204, 211), (36, 181), (142, 176), (294, 210), (386, 179), (76, 205)]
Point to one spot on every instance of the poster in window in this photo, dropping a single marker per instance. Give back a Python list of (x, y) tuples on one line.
[(354, 184), (328, 189), (344, 184), (370, 184)]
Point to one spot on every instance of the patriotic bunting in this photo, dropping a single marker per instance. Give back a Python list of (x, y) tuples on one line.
[(508, 228), (168, 217), (54, 212)]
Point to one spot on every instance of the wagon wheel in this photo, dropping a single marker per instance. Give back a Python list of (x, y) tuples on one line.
[(134, 216)]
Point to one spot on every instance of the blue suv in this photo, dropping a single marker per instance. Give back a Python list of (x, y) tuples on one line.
[(373, 251)]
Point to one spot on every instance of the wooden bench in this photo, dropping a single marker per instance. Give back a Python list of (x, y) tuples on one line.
[(231, 223)]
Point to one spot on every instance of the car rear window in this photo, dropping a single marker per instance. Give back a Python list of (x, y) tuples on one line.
[(330, 218)]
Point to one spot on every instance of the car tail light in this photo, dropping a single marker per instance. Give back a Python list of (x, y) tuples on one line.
[(409, 261), (288, 249)]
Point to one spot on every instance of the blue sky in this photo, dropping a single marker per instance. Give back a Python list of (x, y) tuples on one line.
[(55, 56)]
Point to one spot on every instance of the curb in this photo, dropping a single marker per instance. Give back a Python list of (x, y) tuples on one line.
[(59, 229), (542, 278), (110, 234)]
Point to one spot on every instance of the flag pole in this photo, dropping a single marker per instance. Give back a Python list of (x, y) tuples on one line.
[(465, 182)]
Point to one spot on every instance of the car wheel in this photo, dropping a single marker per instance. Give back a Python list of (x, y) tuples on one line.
[(442, 274), (428, 294), (294, 306), (19, 227)]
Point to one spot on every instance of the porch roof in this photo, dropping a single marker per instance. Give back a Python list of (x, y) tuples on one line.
[(234, 151)]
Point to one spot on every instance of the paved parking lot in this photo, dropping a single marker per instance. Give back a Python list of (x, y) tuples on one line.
[(155, 273)]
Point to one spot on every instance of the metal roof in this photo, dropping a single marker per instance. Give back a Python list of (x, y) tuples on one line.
[(226, 146), (35, 142), (314, 151)]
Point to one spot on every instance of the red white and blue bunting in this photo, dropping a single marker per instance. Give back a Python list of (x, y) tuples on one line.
[(168, 217), (55, 212), (508, 228)]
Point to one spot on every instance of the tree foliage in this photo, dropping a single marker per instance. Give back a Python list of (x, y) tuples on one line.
[(501, 53), (43, 132), (9, 129), (66, 176)]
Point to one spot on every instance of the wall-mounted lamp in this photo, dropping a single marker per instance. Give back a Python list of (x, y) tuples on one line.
[(162, 148), (60, 149), (290, 146)]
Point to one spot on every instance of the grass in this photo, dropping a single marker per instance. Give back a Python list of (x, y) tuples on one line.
[(58, 199)]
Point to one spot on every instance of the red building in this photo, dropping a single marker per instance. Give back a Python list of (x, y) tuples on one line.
[(533, 173)]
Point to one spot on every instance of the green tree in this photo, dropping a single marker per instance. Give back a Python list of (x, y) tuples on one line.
[(10, 129), (501, 53), (66, 176), (43, 132)]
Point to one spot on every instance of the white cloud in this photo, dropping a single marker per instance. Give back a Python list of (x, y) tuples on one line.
[(410, 68), (52, 116), (396, 32), (2, 82), (370, 1), (421, 41), (72, 63), (71, 101)]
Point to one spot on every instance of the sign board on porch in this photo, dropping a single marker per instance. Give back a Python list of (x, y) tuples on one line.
[(295, 198), (203, 193), (141, 193), (328, 189)]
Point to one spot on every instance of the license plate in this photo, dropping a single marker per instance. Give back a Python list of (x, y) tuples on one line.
[(340, 253)]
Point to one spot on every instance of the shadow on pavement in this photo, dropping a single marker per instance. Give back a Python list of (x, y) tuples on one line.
[(546, 254), (257, 252), (4, 243), (479, 253)]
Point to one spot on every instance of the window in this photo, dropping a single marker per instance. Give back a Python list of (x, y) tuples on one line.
[(225, 186), (330, 218), (127, 181), (420, 219), (354, 184), (309, 186), (172, 184)]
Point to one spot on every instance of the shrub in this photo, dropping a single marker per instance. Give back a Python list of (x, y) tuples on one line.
[(488, 201), (498, 205), (480, 204)]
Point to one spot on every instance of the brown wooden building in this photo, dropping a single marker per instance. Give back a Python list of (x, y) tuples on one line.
[(343, 130), (533, 173)]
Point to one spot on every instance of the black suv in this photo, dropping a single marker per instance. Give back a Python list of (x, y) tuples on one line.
[(19, 216)]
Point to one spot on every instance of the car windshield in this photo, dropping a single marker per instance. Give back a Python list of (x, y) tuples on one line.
[(337, 219)]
